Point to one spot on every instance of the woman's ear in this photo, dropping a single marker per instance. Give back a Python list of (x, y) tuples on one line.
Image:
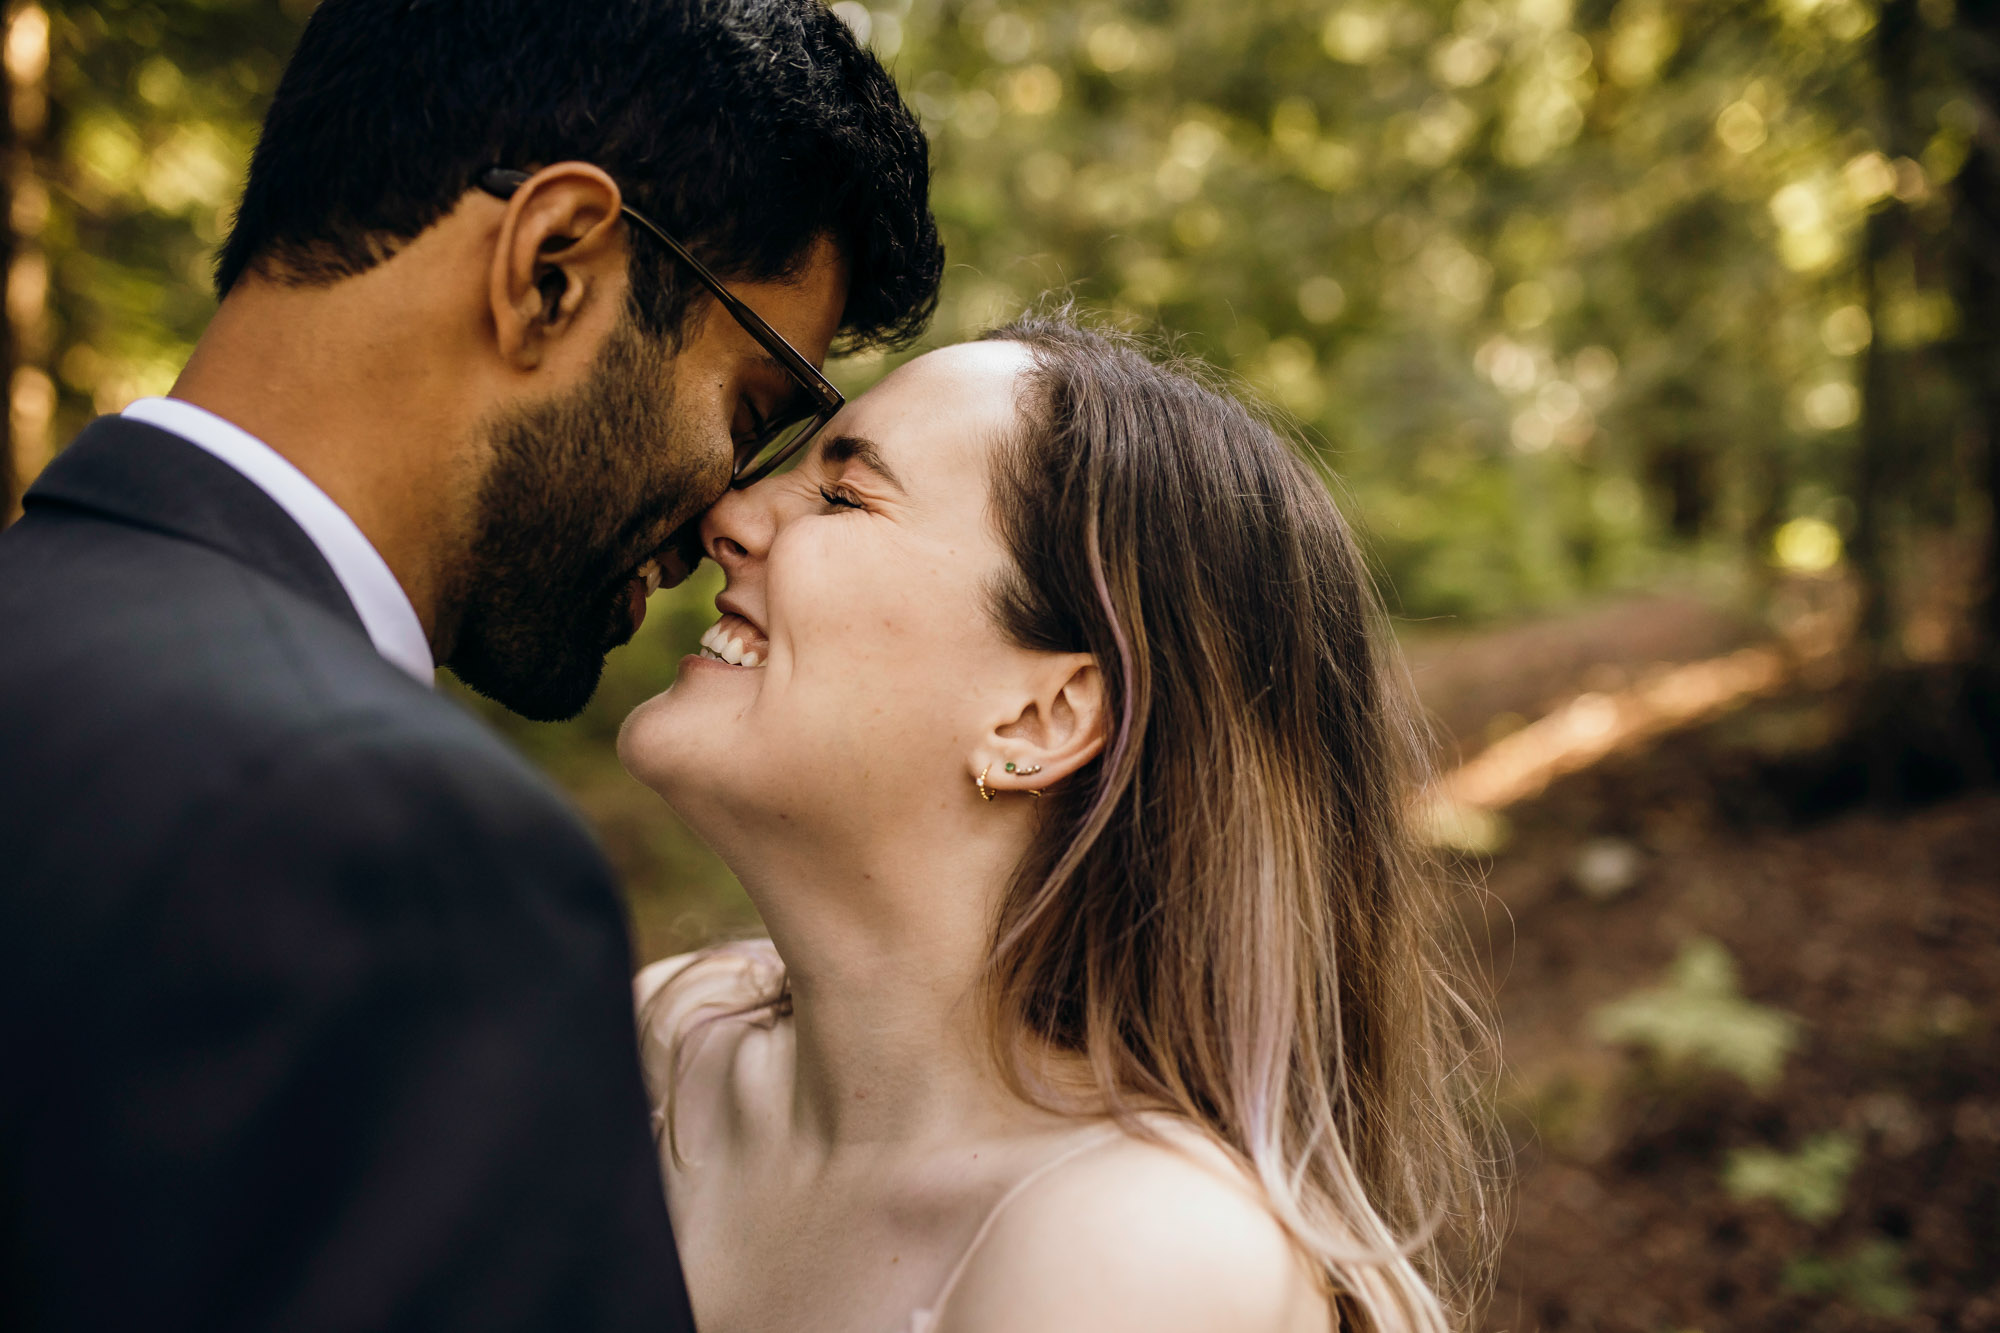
[(557, 246), (1059, 730)]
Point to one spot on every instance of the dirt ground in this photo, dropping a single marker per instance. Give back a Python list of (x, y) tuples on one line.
[(1878, 931)]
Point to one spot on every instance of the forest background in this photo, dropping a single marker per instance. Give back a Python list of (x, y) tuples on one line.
[(1640, 338)]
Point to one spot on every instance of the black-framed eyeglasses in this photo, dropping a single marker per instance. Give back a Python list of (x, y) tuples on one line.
[(771, 442)]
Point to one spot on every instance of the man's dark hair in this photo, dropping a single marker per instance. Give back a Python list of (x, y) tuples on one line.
[(748, 128)]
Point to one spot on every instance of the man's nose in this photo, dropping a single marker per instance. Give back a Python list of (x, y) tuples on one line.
[(737, 528)]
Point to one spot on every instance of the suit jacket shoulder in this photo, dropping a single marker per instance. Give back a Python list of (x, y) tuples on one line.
[(313, 995), (165, 660)]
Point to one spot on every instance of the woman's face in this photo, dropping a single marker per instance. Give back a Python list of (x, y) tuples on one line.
[(855, 665)]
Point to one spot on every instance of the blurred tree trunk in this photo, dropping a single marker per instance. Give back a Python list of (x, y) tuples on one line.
[(1886, 236), (27, 387), (13, 158), (1976, 230), (1769, 483)]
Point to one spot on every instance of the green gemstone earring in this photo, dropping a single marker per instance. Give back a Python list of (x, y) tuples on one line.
[(986, 793)]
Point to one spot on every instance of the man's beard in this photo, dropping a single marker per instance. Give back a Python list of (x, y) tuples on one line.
[(579, 492)]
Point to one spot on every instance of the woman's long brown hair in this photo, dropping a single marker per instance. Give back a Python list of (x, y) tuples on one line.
[(1226, 912)]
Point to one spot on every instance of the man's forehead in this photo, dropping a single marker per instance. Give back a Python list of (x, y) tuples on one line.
[(803, 308), (819, 292)]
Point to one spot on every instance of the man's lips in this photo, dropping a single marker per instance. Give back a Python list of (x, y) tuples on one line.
[(680, 553), (666, 567)]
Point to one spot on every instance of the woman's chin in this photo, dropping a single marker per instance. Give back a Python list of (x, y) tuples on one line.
[(646, 744), (670, 743)]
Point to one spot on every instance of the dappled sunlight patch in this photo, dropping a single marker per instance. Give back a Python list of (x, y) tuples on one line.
[(1807, 546), (1595, 725), (1458, 827)]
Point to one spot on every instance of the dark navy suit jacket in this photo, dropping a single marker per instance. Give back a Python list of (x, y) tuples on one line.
[(314, 997)]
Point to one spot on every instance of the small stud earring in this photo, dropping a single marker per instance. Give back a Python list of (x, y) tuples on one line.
[(1029, 771)]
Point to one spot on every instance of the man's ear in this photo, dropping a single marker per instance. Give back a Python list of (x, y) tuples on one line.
[(559, 250), (1058, 731)]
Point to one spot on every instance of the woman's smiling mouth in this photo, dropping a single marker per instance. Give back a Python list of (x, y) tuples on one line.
[(736, 641)]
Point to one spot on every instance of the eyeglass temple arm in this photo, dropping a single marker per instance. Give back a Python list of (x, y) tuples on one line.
[(502, 182), (743, 314)]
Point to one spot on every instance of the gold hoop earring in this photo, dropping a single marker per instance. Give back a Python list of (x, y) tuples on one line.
[(985, 792)]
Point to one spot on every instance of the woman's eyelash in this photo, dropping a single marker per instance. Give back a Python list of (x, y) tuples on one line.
[(838, 499)]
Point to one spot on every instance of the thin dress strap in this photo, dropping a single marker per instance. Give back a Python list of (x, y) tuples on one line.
[(923, 1321)]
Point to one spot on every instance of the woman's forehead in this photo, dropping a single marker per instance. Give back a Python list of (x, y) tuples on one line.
[(944, 410)]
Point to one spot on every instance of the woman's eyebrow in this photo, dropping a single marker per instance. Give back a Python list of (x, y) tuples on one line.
[(859, 449)]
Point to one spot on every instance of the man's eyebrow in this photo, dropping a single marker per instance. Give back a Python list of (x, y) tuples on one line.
[(859, 449)]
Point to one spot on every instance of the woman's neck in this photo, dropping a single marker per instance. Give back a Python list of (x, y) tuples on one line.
[(885, 948)]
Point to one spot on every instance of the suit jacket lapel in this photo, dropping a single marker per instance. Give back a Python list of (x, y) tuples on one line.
[(140, 475)]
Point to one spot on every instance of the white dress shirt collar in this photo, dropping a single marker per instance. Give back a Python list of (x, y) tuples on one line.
[(378, 598)]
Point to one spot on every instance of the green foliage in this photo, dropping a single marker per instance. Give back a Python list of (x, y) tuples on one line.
[(1810, 1184), (1869, 1277), (1700, 1019), (154, 108), (1565, 292)]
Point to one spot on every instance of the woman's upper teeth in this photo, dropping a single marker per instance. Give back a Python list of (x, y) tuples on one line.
[(736, 641)]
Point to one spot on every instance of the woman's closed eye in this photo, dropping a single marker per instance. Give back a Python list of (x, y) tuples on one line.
[(839, 499)]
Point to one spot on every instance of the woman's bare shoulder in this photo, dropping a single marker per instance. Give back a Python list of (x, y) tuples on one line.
[(723, 974), (674, 993), (1169, 1237)]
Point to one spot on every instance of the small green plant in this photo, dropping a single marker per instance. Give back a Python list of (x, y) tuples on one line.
[(1700, 1018), (1810, 1184), (1869, 1277)]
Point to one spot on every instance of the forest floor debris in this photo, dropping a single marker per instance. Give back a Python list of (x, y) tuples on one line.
[(1851, 1181)]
